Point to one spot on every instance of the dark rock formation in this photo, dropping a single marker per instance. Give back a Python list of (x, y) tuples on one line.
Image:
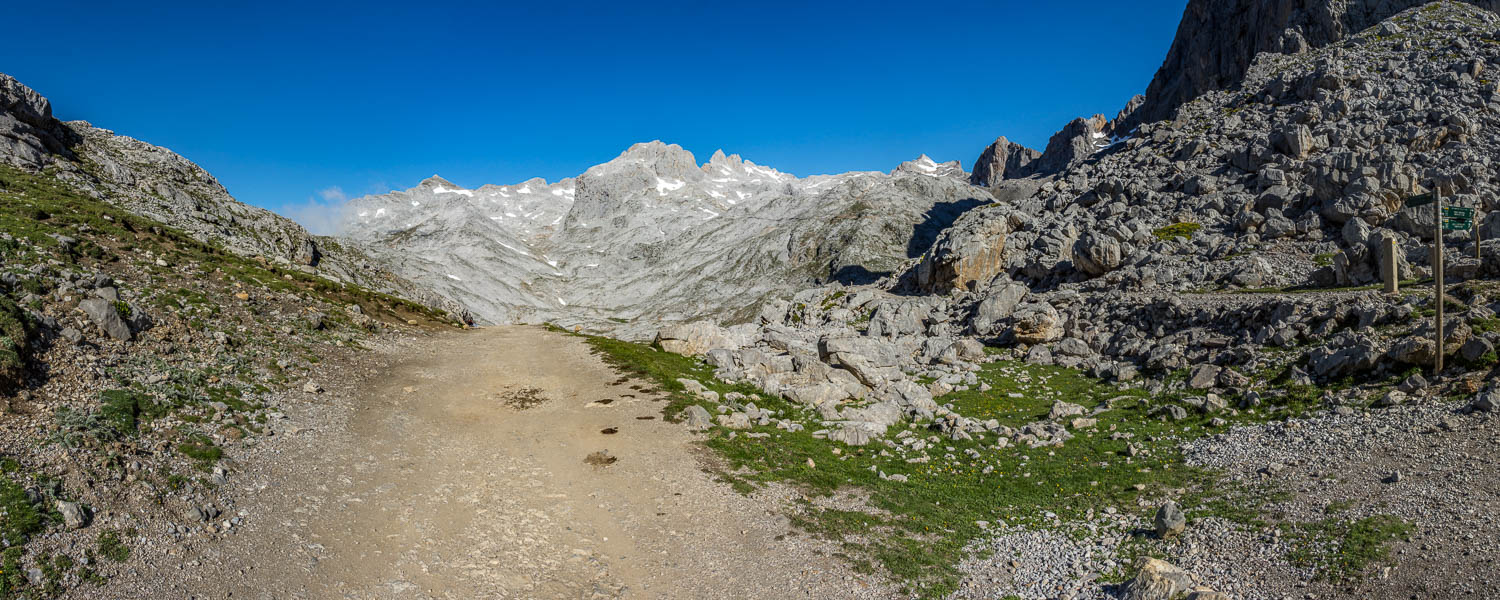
[(1000, 160)]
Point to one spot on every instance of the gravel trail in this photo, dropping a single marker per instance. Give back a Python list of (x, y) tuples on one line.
[(459, 470)]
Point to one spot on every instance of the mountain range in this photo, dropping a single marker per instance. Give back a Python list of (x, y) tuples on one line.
[(653, 236)]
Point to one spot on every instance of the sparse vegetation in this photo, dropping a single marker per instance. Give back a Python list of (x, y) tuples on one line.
[(1176, 231), (1342, 551), (112, 547)]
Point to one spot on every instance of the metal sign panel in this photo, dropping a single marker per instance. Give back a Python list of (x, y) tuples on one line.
[(1458, 212), (1422, 200), (1457, 224)]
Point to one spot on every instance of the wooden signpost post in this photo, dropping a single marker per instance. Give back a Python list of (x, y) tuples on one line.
[(1437, 277), (1451, 218)]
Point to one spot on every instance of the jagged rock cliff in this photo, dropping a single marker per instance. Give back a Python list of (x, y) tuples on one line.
[(1219, 39), (1311, 155)]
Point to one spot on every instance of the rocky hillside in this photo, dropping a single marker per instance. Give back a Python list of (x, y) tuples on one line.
[(1216, 269), (137, 365), (1218, 40), (151, 330), (161, 185), (653, 236)]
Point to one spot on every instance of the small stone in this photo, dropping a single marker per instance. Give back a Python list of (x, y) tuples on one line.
[(1486, 401), (74, 515), (312, 388)]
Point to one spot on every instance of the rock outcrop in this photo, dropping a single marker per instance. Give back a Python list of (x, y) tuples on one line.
[(1001, 160)]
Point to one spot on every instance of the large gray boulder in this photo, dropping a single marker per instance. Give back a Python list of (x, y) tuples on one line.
[(1157, 580), (997, 306), (103, 313), (692, 339), (1037, 323), (1097, 254)]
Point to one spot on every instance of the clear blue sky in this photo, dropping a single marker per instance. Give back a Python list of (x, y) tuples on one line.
[(286, 103)]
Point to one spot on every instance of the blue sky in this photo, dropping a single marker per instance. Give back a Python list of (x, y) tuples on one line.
[(294, 107)]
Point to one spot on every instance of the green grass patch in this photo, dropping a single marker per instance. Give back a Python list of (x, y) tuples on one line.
[(16, 331), (112, 547), (1177, 230), (1482, 326), (201, 449), (101, 233), (1342, 551)]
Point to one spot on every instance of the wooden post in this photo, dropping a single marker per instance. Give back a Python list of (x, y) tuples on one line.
[(1390, 269), (1437, 277), (1478, 253)]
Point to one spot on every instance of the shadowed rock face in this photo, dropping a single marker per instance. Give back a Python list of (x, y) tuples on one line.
[(1001, 160), (1218, 39)]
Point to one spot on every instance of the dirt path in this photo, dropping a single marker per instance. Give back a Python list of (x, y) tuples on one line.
[(441, 485)]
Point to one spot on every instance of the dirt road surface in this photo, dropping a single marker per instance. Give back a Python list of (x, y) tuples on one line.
[(458, 470)]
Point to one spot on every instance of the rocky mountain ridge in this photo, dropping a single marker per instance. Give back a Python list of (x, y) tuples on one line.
[(159, 184), (654, 236)]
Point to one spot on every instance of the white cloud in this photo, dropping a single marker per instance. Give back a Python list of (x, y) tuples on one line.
[(333, 194), (322, 214)]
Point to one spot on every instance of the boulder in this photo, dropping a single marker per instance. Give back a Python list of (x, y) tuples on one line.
[(103, 313), (1486, 401), (1295, 141), (998, 306), (1475, 349), (1037, 323), (698, 417), (1347, 355), (1097, 254), (74, 515), (1062, 410), (1203, 377), (1157, 580), (966, 256), (1169, 521), (692, 339), (892, 319)]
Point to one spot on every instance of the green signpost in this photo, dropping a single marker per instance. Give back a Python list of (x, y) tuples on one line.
[(1449, 218), (1452, 224)]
